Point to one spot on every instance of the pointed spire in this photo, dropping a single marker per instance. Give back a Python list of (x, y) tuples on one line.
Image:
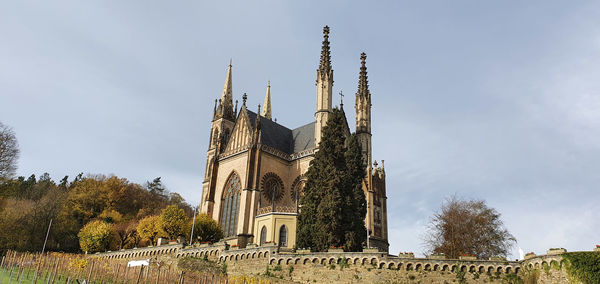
[(235, 110), (341, 100), (325, 64), (226, 102), (244, 98), (266, 112), (363, 82)]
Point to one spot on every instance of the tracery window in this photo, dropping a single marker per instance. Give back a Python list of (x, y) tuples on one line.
[(298, 190), (272, 190), (283, 232), (230, 205)]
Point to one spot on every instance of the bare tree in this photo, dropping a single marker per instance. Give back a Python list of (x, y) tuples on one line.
[(9, 151), (467, 228)]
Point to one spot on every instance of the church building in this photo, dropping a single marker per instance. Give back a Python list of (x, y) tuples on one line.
[(255, 167)]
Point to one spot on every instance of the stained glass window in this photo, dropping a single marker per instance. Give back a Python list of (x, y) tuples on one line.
[(230, 204)]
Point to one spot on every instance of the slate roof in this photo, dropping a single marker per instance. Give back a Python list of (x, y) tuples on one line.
[(282, 138)]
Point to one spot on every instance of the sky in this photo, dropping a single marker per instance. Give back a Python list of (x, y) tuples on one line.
[(492, 100)]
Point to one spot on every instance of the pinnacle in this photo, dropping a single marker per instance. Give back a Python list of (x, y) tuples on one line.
[(325, 63), (363, 81)]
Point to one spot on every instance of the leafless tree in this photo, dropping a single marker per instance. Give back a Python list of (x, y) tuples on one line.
[(9, 151), (467, 228)]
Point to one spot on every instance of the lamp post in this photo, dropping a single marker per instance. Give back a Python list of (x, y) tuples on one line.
[(193, 223)]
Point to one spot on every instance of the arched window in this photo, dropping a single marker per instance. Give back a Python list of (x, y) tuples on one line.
[(298, 191), (283, 236), (263, 235), (230, 205)]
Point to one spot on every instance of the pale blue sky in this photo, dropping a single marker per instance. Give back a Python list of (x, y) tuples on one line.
[(493, 100)]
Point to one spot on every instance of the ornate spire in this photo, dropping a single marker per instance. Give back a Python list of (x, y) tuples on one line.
[(244, 98), (226, 102), (266, 112), (325, 64), (363, 82)]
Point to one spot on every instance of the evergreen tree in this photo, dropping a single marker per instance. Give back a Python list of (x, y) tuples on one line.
[(332, 212)]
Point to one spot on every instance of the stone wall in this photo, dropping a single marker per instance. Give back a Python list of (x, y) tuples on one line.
[(336, 267)]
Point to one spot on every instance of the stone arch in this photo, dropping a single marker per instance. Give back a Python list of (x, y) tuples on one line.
[(363, 261), (323, 261), (508, 269), (305, 261), (472, 268), (266, 254), (226, 258), (481, 269), (354, 260), (463, 268), (242, 256), (499, 269), (391, 265), (418, 267), (279, 261), (409, 266), (436, 267), (453, 268), (427, 267), (332, 260), (272, 261), (220, 259), (537, 265), (530, 266), (374, 260), (517, 269), (399, 266), (253, 255), (445, 267), (315, 260), (490, 269), (260, 254), (381, 265)]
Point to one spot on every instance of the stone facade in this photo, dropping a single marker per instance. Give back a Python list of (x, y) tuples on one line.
[(255, 166)]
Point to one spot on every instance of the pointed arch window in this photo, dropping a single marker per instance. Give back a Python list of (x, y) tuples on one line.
[(283, 236), (263, 235), (230, 205)]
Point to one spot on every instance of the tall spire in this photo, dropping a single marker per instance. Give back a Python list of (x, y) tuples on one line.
[(324, 86), (325, 64), (225, 109), (363, 111), (363, 82), (266, 112)]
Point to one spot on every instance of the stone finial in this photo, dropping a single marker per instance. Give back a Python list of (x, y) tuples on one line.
[(341, 100), (244, 98), (375, 164)]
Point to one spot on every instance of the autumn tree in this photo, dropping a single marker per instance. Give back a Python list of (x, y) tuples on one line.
[(126, 233), (174, 221), (467, 227), (333, 206), (206, 229), (9, 152), (150, 228), (95, 236)]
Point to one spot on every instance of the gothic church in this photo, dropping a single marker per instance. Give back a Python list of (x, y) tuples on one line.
[(255, 167)]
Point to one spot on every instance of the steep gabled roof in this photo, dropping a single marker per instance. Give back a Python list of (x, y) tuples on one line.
[(282, 138)]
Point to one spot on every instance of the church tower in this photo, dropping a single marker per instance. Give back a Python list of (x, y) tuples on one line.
[(324, 87), (363, 112), (221, 126)]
